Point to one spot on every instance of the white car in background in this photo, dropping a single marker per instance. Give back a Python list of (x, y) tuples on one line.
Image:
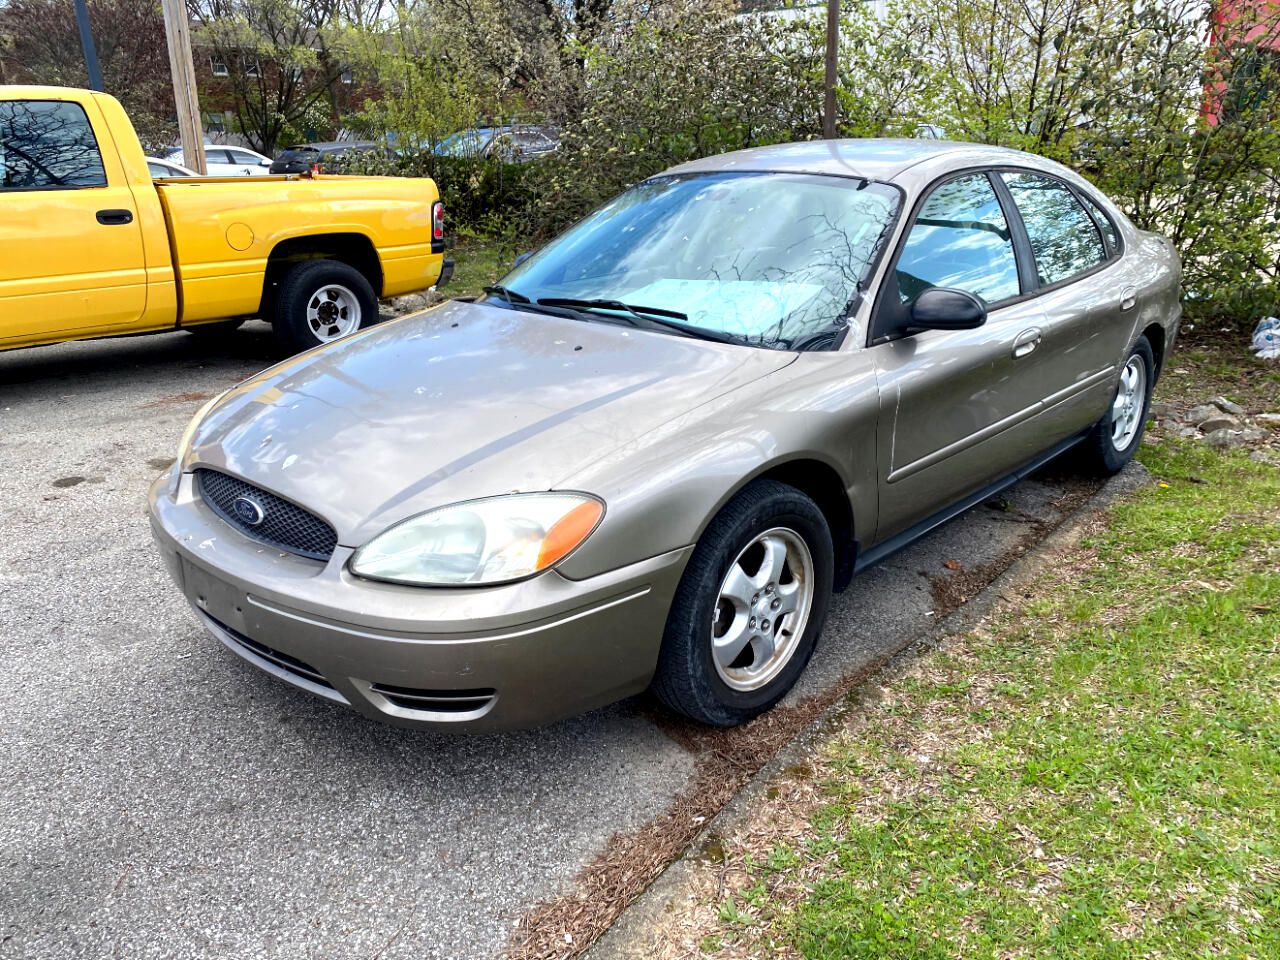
[(224, 161), (167, 168)]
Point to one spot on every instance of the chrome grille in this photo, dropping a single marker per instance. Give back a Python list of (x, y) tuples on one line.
[(284, 525)]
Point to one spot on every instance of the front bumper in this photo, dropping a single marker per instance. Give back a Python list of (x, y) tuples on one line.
[(479, 659)]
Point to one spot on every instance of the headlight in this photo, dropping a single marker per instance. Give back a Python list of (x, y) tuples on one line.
[(496, 540), (184, 445)]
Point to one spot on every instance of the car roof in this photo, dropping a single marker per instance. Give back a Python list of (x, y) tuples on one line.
[(333, 145), (870, 159)]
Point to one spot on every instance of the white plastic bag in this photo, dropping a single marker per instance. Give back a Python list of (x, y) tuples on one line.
[(1266, 338)]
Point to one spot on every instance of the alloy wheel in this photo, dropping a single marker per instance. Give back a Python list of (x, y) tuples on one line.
[(1129, 404), (762, 609)]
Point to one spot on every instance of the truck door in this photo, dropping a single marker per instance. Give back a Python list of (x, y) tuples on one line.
[(71, 256)]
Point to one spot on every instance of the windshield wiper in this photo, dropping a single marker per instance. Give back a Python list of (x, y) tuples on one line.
[(644, 316), (507, 294), (515, 300)]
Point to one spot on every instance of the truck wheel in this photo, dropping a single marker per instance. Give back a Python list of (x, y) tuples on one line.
[(320, 301), (749, 608)]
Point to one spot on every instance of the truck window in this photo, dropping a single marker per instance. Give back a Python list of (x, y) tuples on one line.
[(47, 145)]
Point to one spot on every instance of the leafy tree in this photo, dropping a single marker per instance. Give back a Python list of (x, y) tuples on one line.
[(283, 61), (682, 82), (41, 44), (1170, 106)]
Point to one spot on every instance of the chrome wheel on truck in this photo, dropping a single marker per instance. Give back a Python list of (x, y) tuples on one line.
[(320, 301), (332, 312)]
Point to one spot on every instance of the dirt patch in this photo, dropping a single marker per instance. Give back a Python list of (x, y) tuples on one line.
[(160, 463), (178, 398), (952, 590), (564, 927)]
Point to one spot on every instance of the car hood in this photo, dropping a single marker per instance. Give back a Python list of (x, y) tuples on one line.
[(463, 401)]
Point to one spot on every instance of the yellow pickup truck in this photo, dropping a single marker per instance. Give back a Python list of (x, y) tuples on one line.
[(91, 246)]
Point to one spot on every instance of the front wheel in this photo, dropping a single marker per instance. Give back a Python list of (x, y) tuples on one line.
[(1115, 438), (320, 301), (749, 608)]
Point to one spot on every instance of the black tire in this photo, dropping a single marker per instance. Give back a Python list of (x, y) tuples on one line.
[(306, 282), (215, 331), (687, 679), (1098, 453)]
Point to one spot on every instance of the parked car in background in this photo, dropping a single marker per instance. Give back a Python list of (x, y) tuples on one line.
[(223, 161), (118, 253), (167, 168), (647, 457), (320, 157), (514, 143)]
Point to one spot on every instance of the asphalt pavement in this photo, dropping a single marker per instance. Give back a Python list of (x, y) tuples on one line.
[(163, 799)]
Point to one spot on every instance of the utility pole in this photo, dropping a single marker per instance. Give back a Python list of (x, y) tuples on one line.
[(177, 30), (833, 46), (86, 44)]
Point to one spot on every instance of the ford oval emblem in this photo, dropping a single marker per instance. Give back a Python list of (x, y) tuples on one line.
[(248, 510)]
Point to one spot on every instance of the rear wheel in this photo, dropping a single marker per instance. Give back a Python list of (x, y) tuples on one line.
[(749, 608), (320, 301), (1115, 438)]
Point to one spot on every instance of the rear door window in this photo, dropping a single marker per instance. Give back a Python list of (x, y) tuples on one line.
[(1064, 238), (47, 145), (960, 239)]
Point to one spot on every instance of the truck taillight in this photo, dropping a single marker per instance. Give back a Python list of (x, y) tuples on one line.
[(437, 221)]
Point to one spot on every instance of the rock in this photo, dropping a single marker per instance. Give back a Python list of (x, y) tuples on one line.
[(1219, 422), (1253, 434), (1224, 438), (1269, 418), (1228, 406), (410, 303), (1201, 413), (1165, 411), (1187, 432)]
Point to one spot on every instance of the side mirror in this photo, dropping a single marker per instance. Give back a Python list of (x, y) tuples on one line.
[(264, 163), (942, 308), (521, 258)]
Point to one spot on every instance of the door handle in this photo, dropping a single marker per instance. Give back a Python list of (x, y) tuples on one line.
[(1128, 298), (1027, 341), (115, 218)]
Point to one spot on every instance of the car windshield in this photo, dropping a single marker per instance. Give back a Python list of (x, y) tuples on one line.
[(769, 259)]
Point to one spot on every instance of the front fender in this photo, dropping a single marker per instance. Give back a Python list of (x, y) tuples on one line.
[(663, 489)]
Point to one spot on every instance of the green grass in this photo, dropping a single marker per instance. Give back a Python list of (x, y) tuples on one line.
[(477, 263), (1096, 774)]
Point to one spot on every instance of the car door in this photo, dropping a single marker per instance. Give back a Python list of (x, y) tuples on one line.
[(952, 401), (1086, 294), (245, 163), (71, 254), (218, 162)]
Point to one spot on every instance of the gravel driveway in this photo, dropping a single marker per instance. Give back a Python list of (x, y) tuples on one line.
[(162, 799)]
